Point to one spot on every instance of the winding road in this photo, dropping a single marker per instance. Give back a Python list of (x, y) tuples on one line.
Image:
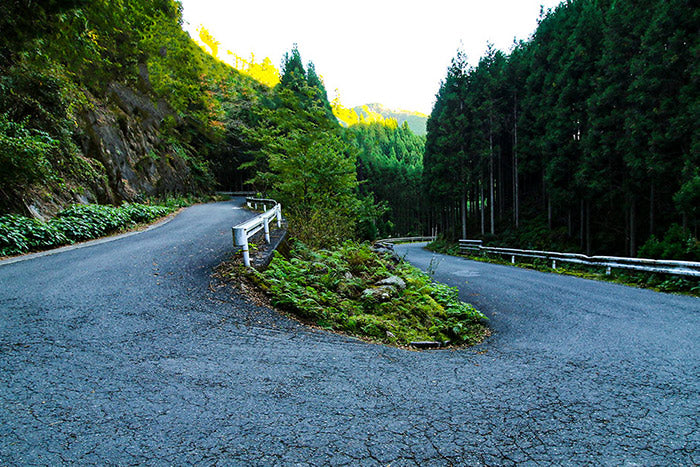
[(128, 352)]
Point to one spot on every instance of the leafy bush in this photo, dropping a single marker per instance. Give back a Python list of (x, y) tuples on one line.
[(19, 234), (328, 287), (678, 243), (443, 245), (139, 213), (24, 152), (83, 222)]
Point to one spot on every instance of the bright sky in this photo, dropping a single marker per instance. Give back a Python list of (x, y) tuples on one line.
[(394, 52)]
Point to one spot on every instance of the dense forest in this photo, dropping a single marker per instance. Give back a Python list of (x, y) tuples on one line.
[(107, 102), (585, 137), (390, 167), (582, 138)]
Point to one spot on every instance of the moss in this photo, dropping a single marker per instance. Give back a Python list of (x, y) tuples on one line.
[(325, 287)]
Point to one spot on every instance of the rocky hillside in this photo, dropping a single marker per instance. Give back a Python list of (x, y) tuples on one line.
[(104, 102)]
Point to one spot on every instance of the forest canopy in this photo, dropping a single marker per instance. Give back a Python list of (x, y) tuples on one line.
[(586, 134)]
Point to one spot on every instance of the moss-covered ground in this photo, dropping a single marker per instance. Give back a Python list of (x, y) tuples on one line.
[(338, 289)]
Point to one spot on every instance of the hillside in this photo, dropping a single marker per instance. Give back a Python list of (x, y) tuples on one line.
[(106, 103), (416, 120)]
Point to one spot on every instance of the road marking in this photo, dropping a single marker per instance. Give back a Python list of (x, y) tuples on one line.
[(466, 273)]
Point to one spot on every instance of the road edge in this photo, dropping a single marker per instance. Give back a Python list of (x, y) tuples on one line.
[(97, 241)]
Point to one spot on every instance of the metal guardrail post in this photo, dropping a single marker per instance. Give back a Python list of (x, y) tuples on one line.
[(241, 239), (279, 216), (266, 224)]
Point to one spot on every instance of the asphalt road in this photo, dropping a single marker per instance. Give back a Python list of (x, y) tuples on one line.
[(128, 352)]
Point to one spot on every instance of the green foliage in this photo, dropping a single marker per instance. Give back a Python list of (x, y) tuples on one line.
[(63, 56), (19, 234), (677, 244), (445, 246), (389, 168), (302, 161), (24, 154), (326, 287), (589, 125)]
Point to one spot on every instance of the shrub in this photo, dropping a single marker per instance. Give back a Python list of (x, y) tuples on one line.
[(19, 234), (678, 243)]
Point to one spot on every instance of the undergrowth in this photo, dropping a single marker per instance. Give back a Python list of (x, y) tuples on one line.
[(334, 288), (78, 222)]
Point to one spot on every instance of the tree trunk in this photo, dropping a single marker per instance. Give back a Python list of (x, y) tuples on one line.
[(491, 203), (633, 229), (581, 229), (626, 213), (651, 208), (588, 228), (481, 209), (464, 214), (549, 213), (516, 199), (501, 179)]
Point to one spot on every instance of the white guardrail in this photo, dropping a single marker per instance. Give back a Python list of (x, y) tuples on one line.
[(405, 240), (681, 268), (243, 231)]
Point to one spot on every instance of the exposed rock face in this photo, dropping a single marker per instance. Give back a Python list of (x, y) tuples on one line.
[(122, 132), (120, 136)]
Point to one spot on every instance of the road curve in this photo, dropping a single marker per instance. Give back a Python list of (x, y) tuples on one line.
[(128, 352)]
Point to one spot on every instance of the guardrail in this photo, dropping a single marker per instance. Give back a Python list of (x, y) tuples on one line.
[(682, 268), (243, 231), (405, 240), (255, 203), (236, 193)]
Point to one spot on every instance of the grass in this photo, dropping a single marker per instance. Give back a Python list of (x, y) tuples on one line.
[(337, 289), (653, 281)]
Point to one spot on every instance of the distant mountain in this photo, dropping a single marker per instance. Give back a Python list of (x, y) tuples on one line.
[(416, 120)]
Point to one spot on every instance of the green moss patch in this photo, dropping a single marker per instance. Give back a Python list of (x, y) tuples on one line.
[(346, 289)]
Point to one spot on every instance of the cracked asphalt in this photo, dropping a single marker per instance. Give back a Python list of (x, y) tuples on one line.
[(128, 352)]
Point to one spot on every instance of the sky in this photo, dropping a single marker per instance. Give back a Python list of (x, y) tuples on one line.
[(386, 51)]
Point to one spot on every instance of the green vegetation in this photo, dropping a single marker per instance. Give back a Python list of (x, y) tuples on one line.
[(337, 289), (300, 160), (414, 120), (586, 134), (69, 65), (389, 168), (79, 222)]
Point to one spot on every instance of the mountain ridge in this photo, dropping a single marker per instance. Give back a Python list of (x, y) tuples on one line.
[(416, 120)]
